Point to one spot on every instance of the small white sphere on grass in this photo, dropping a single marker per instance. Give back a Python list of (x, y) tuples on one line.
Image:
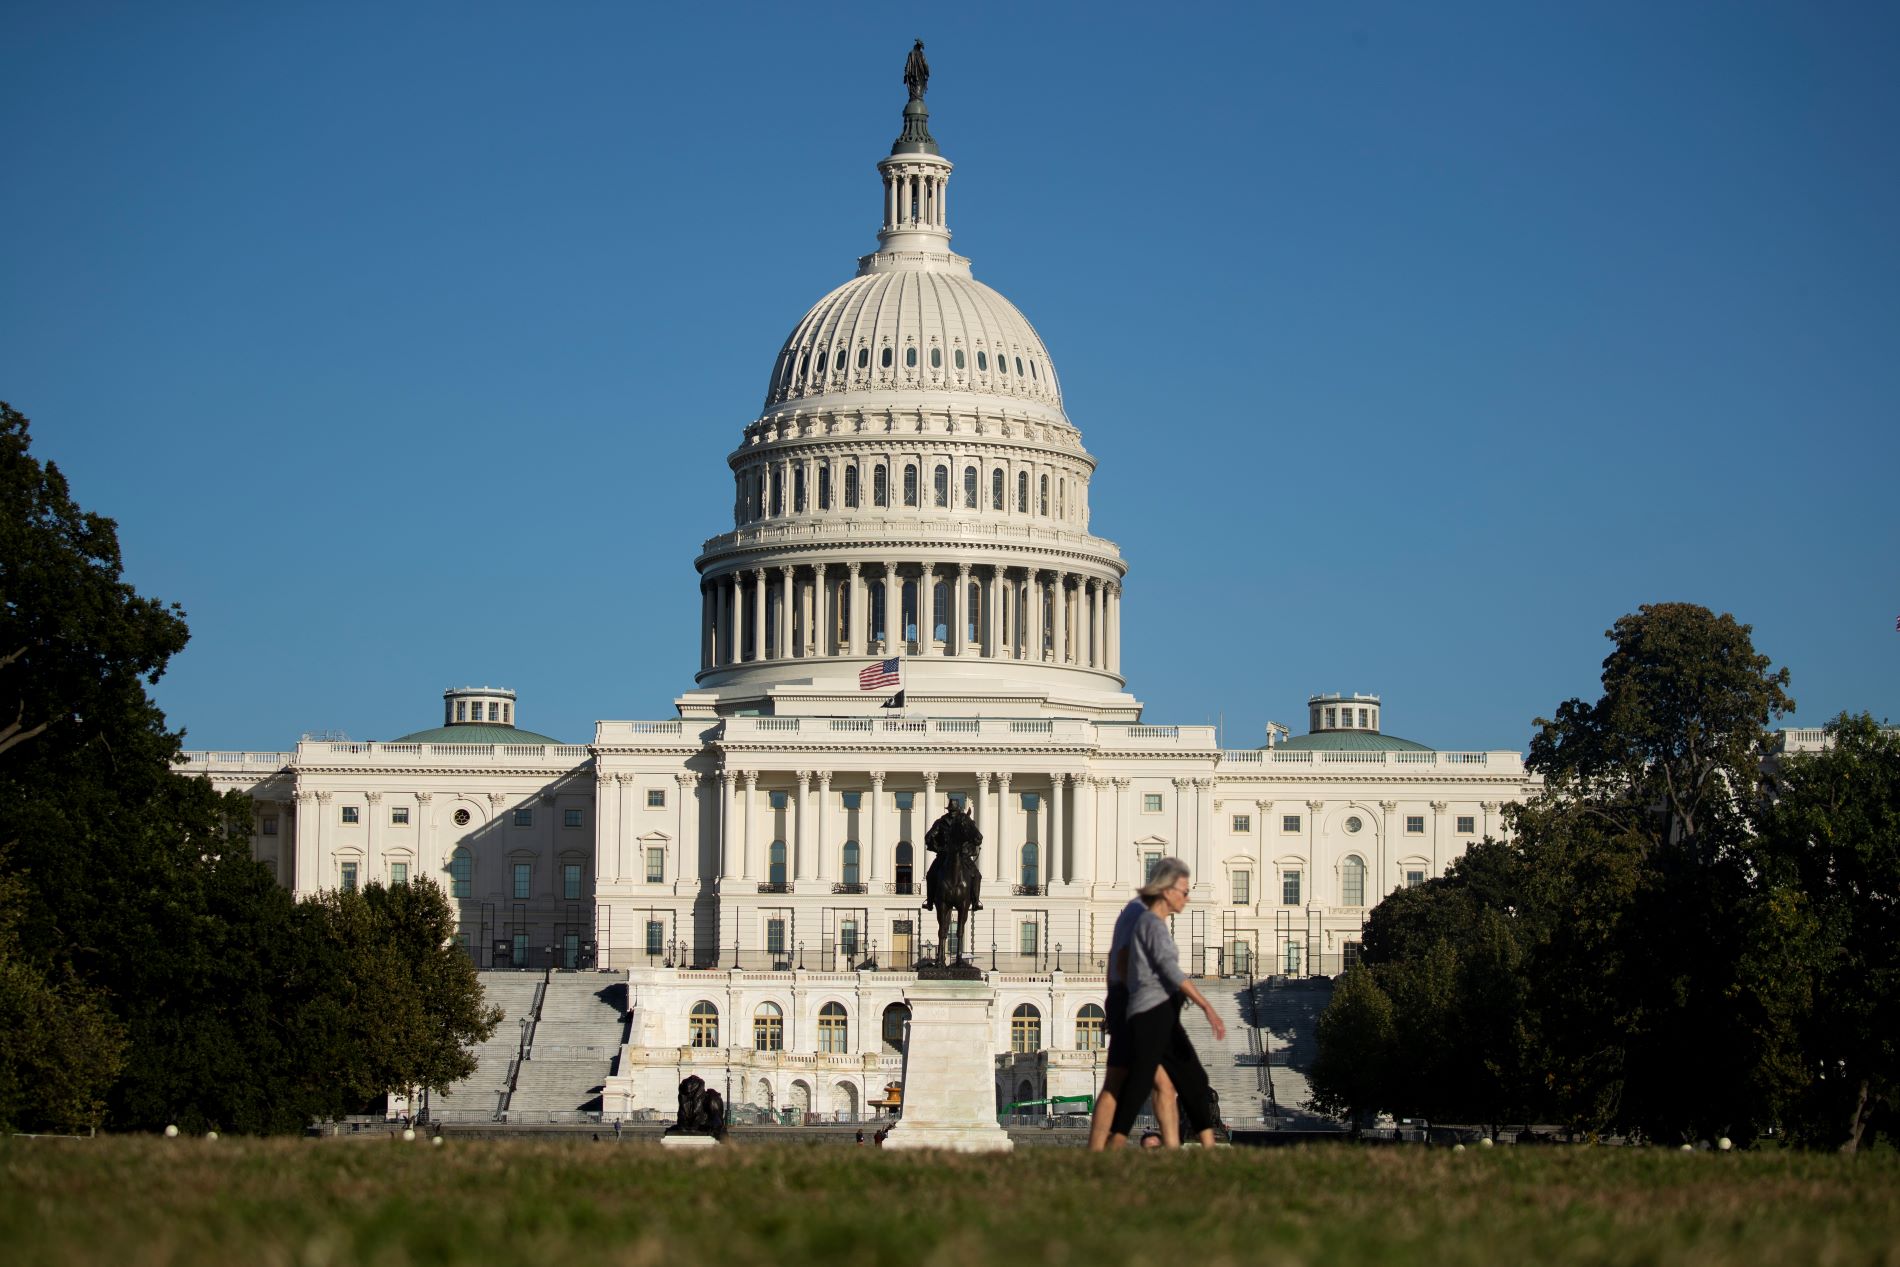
[(1725, 1143), (1688, 1148), (1484, 1141), (437, 1141), (1457, 1148), (408, 1135), (171, 1132), (211, 1135)]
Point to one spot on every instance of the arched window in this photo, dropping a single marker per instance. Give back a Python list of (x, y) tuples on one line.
[(910, 483), (1042, 502), (884, 359), (824, 486), (864, 358), (880, 486), (461, 873), (1002, 363), (703, 1024), (910, 358), (996, 489), (798, 488), (940, 485), (838, 364), (969, 488), (850, 862), (1089, 1022), (1352, 881), (959, 358), (1019, 365), (1022, 492), (768, 1028), (936, 358), (893, 1036), (777, 863), (1035, 377), (834, 1030), (1029, 869), (982, 361), (851, 487), (1025, 1029), (903, 866)]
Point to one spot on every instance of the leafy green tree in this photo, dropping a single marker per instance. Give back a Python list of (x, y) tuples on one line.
[(1352, 1076)]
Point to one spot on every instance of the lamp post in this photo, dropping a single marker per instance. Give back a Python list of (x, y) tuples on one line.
[(1058, 956), (521, 1047), (801, 956)]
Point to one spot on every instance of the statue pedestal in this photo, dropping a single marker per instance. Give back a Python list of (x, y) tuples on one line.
[(689, 1142), (950, 1071)]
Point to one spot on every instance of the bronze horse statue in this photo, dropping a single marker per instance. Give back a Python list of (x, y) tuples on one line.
[(954, 884)]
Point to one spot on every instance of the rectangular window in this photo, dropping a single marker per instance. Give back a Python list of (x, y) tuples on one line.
[(906, 799), (1350, 958), (349, 877), (1331, 723), (1243, 887), (349, 813), (1290, 822), (270, 824), (1243, 823), (524, 874), (461, 873), (570, 950), (398, 874), (1467, 825), (1027, 937), (399, 816), (1293, 959), (571, 881), (1414, 878), (656, 937), (461, 710), (1415, 824), (1289, 888), (524, 818), (779, 800), (1363, 724), (1149, 861), (656, 798), (1030, 802), (957, 799), (848, 938), (852, 800), (656, 864), (1151, 802), (775, 937), (570, 818)]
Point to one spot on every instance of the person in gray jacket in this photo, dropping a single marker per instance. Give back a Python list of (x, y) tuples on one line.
[(1149, 1035)]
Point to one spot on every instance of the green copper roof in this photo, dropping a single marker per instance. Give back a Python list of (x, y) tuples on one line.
[(1351, 741), (476, 732)]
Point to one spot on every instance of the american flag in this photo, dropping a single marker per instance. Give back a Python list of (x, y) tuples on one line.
[(873, 677)]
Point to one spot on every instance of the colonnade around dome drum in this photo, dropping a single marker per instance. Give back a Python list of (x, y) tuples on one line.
[(782, 612)]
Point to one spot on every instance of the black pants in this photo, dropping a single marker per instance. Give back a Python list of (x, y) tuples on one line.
[(1152, 1039)]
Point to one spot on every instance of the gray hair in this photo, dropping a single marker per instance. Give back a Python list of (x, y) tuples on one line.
[(1162, 878)]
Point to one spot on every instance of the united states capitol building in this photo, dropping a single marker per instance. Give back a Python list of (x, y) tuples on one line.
[(751, 866)]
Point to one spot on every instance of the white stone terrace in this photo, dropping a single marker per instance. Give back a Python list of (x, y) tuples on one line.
[(319, 753)]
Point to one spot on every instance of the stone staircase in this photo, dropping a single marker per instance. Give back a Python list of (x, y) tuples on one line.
[(1286, 1011), (1232, 1068), (571, 1049), (477, 1097)]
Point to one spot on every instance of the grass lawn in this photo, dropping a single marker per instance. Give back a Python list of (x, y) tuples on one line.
[(130, 1202)]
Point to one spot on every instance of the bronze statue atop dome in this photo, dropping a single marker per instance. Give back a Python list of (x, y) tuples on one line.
[(916, 72)]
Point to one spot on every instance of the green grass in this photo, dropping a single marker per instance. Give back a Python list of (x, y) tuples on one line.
[(132, 1202)]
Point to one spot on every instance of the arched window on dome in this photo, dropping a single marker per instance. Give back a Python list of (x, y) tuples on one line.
[(798, 488), (824, 486), (1034, 377), (1002, 363), (839, 363), (910, 483), (758, 494), (851, 487), (910, 358), (907, 617), (940, 486), (969, 488), (940, 595), (982, 360), (936, 358), (996, 489), (959, 358), (884, 359), (864, 358), (880, 486), (1042, 501), (1022, 492), (1019, 365), (804, 363), (778, 492)]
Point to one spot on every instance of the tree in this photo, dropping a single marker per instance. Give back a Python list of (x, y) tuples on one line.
[(1352, 1074)]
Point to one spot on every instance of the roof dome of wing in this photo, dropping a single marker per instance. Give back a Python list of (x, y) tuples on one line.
[(913, 328), (1350, 741), (476, 732)]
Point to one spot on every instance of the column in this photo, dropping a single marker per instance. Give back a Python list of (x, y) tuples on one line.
[(1006, 842), (1438, 835), (979, 805), (893, 610), (1112, 629), (750, 865), (428, 860), (1059, 613), (1204, 864), (1095, 624), (606, 827), (854, 609), (874, 847), (960, 606), (930, 796), (826, 621), (1033, 596), (992, 616), (927, 610), (688, 832), (782, 645), (722, 650), (705, 627), (738, 617), (1490, 809), (1124, 850), (1385, 884), (800, 842), (1083, 851), (625, 866), (809, 640), (1183, 847), (758, 615), (823, 846), (372, 860), (731, 843), (1058, 854), (1311, 866)]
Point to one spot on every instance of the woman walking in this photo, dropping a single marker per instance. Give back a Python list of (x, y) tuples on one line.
[(1149, 1036)]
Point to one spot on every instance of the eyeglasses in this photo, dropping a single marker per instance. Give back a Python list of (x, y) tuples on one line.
[(1180, 890)]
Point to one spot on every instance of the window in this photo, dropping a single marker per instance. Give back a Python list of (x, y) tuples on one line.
[(349, 814), (524, 876), (656, 937), (910, 483), (1031, 801), (852, 800), (864, 358), (1290, 822), (1414, 878), (936, 358), (461, 872), (1025, 1029), (996, 489), (570, 818), (768, 1028), (884, 359), (775, 936), (910, 358), (1243, 822), (837, 362), (1289, 888), (969, 488), (851, 487), (656, 864), (1022, 492), (571, 881), (524, 818), (959, 358), (270, 825), (1415, 824), (1042, 499), (1293, 959), (850, 862), (880, 487), (778, 800), (461, 710), (982, 361), (1151, 802), (349, 877), (398, 874), (1088, 1027), (1149, 861), (775, 866), (1352, 881), (570, 950), (1019, 365), (903, 866), (1363, 725), (1331, 723), (834, 1031), (940, 487), (1349, 959), (656, 798), (703, 1024), (1353, 824), (1467, 825), (848, 938), (1029, 866), (798, 488), (1026, 937), (957, 799), (1243, 887), (905, 799)]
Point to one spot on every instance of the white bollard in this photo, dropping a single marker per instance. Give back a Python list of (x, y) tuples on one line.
[(171, 1132)]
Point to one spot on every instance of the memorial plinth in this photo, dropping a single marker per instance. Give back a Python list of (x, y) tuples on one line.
[(950, 1071)]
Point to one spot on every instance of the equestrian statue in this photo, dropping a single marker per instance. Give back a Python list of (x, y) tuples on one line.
[(954, 884)]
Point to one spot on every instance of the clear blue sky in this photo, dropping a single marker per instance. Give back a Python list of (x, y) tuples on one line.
[(1417, 342)]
